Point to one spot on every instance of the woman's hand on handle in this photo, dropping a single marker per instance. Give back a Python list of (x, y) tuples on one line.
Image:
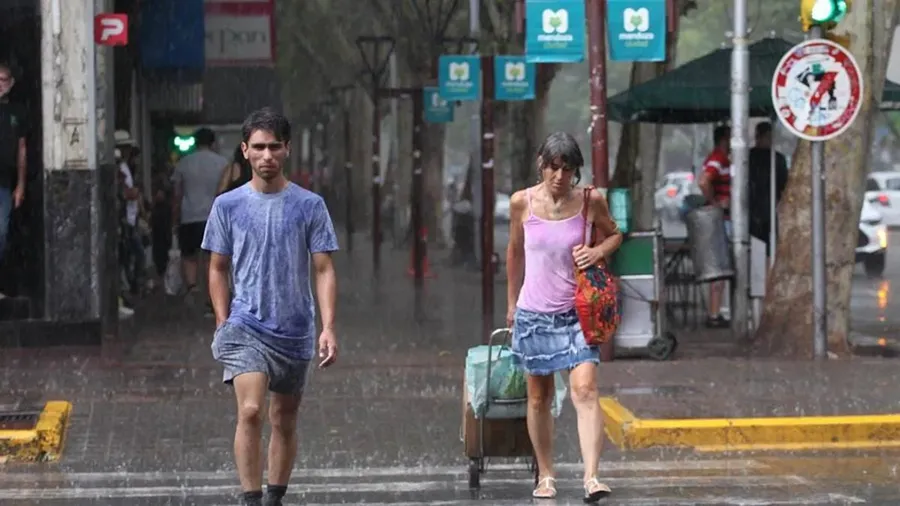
[(510, 316)]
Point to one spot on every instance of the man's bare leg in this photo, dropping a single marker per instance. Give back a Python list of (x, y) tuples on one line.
[(283, 443), (250, 390)]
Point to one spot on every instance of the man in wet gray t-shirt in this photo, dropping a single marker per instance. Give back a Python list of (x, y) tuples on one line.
[(267, 234)]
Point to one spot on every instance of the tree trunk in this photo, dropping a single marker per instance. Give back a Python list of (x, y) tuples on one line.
[(527, 120), (637, 160), (433, 164), (786, 328)]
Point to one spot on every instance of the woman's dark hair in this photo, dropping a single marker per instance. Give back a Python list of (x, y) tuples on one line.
[(563, 147), (246, 173), (238, 156), (268, 120)]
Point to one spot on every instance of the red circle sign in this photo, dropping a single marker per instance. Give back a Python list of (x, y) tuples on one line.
[(817, 90)]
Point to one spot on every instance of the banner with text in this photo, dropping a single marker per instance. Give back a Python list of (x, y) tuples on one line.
[(514, 78), (459, 77), (637, 30), (437, 110), (554, 31)]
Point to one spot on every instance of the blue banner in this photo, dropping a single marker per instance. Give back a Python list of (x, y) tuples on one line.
[(459, 77), (172, 35), (437, 110), (554, 31), (513, 78), (637, 30)]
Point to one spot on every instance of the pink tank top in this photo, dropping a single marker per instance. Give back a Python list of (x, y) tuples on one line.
[(549, 284)]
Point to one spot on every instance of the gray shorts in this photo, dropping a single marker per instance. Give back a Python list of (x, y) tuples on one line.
[(241, 350)]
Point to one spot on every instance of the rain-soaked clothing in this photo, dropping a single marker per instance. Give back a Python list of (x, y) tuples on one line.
[(269, 237), (547, 336)]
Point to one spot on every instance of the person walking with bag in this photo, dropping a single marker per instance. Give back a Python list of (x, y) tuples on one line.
[(562, 301)]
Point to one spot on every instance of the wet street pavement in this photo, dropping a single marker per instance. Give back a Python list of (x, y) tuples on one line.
[(152, 423)]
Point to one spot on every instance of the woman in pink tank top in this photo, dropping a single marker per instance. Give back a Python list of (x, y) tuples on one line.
[(544, 250)]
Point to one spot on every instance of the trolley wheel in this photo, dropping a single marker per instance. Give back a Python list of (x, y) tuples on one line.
[(475, 473), (662, 347)]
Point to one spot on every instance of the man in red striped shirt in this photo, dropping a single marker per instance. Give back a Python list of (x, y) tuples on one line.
[(715, 182)]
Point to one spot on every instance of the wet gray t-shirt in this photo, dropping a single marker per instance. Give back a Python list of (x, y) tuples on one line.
[(198, 174), (269, 237)]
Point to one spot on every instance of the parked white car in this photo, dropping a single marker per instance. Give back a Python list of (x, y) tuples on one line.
[(871, 246), (883, 191)]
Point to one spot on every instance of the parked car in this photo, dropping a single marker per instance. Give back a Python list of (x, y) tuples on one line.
[(883, 191), (871, 246)]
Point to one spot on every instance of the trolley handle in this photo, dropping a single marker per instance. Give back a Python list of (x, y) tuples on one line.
[(507, 332)]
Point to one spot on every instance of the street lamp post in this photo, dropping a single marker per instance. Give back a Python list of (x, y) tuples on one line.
[(376, 52), (338, 94)]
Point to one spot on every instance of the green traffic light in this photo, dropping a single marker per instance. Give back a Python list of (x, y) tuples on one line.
[(828, 11), (184, 144)]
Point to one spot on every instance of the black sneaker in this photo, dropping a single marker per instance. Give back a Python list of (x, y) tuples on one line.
[(251, 499), (271, 500)]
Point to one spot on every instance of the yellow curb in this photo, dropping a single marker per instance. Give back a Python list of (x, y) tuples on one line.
[(744, 434), (42, 443)]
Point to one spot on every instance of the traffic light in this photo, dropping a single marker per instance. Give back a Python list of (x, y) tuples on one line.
[(824, 13), (184, 143)]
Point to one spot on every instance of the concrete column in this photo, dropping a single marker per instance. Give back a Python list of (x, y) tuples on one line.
[(80, 217)]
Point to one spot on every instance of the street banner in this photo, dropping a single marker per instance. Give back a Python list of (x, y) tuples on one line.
[(514, 78), (636, 30), (459, 77), (437, 110), (554, 31)]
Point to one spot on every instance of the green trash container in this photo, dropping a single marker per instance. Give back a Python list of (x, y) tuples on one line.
[(636, 256), (620, 207)]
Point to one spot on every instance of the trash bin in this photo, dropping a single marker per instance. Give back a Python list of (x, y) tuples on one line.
[(710, 253)]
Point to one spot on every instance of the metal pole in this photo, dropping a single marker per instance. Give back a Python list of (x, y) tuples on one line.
[(487, 194), (773, 194), (417, 185), (475, 131), (376, 176), (326, 159), (596, 14), (820, 318), (348, 176), (599, 125), (740, 115)]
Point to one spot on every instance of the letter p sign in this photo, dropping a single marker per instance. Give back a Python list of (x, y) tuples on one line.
[(111, 29)]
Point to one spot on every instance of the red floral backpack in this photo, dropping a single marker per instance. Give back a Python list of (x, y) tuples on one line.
[(596, 291)]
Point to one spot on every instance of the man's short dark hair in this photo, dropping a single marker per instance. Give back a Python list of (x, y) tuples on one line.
[(205, 137), (268, 120), (763, 128), (720, 133)]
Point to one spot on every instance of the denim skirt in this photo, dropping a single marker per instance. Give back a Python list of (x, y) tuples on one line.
[(545, 343)]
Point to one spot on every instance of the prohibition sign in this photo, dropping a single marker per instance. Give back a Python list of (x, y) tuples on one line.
[(816, 90)]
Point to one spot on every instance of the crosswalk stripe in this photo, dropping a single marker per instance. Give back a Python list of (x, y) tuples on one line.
[(639, 482), (361, 472), (814, 499)]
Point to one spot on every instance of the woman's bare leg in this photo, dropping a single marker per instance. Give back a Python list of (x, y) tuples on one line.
[(540, 425), (585, 397)]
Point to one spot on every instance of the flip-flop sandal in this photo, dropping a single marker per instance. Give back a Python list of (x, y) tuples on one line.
[(547, 483), (599, 491)]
